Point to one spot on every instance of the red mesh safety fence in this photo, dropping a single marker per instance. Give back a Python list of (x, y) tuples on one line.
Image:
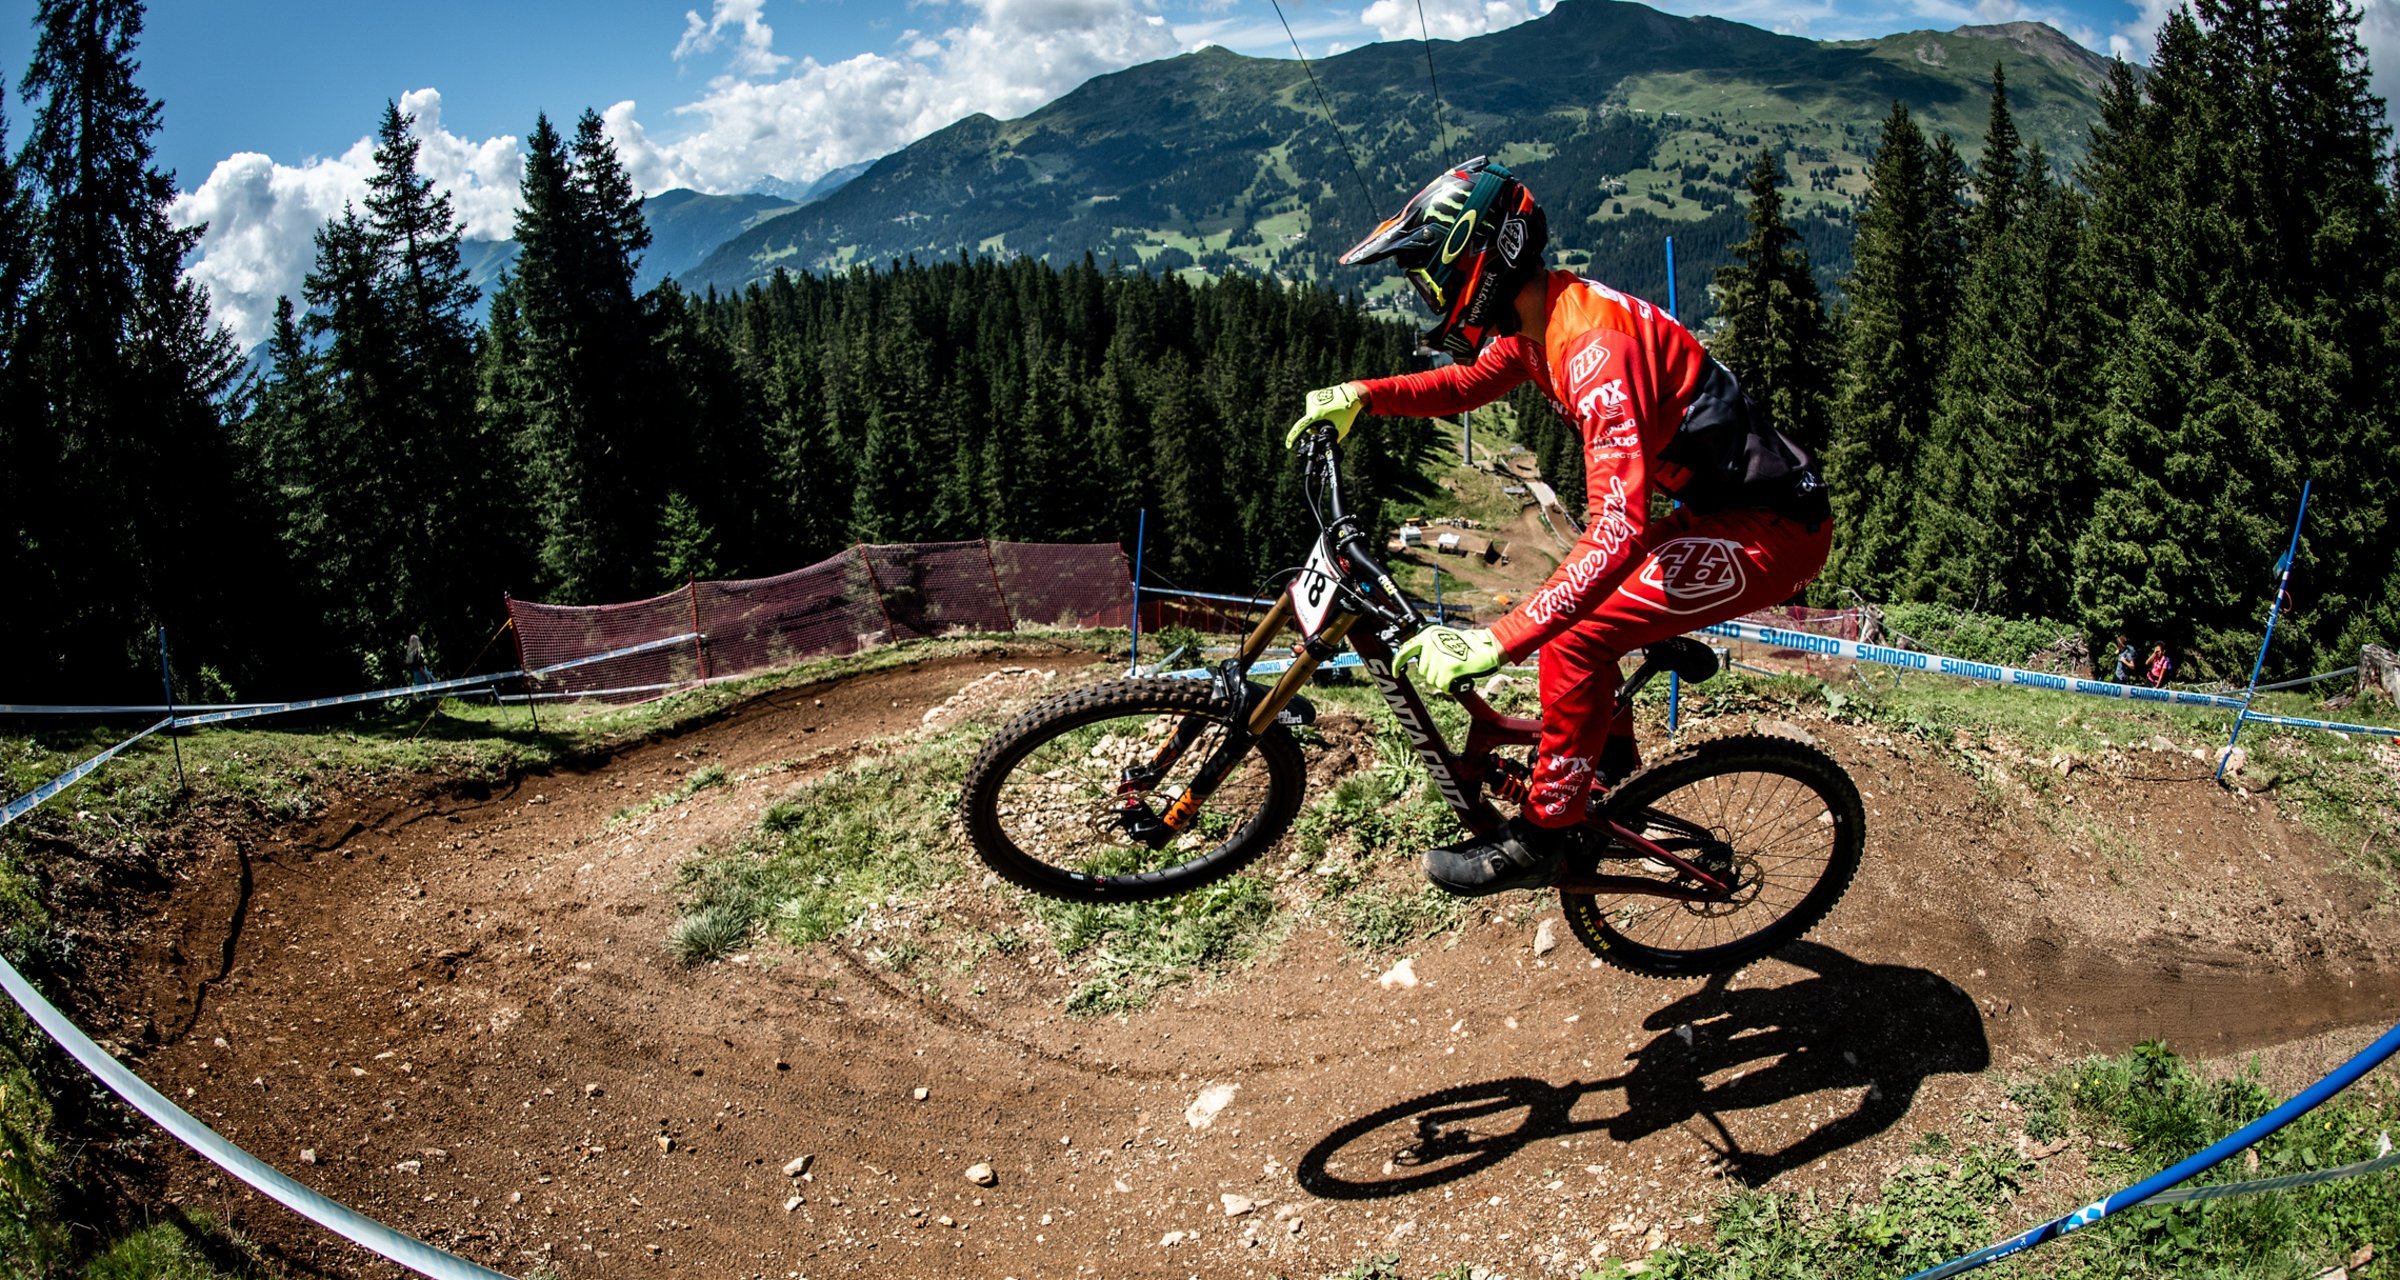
[(929, 588), (1085, 584), (758, 623), (1842, 624), (862, 597), (548, 634)]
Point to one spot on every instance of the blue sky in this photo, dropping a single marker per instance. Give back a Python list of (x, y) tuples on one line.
[(269, 102)]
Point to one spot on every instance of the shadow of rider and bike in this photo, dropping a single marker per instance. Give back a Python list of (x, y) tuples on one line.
[(1851, 1025)]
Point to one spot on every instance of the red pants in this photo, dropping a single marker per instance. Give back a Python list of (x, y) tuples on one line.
[(1692, 570)]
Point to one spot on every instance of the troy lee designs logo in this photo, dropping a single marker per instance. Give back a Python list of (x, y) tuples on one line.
[(1609, 535), (1689, 575), (1586, 362)]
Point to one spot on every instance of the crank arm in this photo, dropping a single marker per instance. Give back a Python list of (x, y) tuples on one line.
[(1636, 846)]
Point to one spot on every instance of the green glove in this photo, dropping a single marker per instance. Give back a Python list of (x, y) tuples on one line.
[(1447, 655), (1337, 405)]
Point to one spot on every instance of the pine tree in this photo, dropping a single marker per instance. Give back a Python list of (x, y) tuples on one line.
[(1774, 336), (2004, 172), (1900, 298), (586, 391), (124, 468), (404, 528), (687, 547), (19, 439), (2008, 476), (2244, 238)]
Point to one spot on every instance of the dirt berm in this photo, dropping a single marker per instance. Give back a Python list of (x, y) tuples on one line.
[(455, 1011)]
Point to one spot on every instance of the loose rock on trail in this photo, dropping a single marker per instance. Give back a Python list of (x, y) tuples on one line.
[(456, 1012)]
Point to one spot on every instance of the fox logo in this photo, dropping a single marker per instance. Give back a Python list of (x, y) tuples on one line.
[(1690, 575), (1608, 399)]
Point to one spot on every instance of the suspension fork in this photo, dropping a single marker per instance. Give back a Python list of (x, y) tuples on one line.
[(1309, 655), (1229, 681), (1262, 718)]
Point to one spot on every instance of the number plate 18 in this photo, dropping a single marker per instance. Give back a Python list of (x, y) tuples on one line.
[(1313, 591)]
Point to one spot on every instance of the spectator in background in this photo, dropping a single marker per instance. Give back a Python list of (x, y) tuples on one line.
[(2123, 674), (2160, 665), (412, 661)]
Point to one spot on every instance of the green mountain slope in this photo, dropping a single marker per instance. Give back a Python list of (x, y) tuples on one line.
[(686, 226), (1631, 124)]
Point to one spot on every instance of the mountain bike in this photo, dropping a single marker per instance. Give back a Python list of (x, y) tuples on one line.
[(1143, 788)]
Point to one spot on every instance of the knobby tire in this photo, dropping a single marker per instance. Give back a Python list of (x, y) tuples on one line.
[(1812, 836), (1037, 783)]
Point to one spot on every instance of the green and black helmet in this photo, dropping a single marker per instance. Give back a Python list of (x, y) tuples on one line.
[(1466, 243)]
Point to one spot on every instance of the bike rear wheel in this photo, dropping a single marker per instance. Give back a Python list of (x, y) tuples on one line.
[(1064, 801), (1777, 819)]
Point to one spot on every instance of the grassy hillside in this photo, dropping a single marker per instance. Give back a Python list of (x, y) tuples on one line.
[(1631, 124)]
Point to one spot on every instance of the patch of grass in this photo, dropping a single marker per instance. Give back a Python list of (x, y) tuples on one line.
[(1388, 810), (831, 849), (29, 1227), (1128, 953), (170, 1251), (701, 779), (1977, 637), (2150, 1108), (1382, 919), (2134, 1115)]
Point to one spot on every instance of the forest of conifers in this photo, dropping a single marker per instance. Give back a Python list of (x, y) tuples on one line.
[(2089, 397)]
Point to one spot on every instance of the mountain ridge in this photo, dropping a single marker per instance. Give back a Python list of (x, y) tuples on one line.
[(1630, 123)]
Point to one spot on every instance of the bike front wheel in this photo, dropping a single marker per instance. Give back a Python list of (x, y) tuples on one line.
[(1068, 799), (1777, 821)]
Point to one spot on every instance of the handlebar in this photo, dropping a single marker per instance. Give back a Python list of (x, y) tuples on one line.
[(1321, 456)]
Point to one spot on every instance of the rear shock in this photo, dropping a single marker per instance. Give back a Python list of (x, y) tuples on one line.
[(1510, 780)]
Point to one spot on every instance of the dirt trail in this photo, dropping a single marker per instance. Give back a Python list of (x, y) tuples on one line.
[(455, 1011)]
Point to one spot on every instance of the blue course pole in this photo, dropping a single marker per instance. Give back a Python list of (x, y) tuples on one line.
[(1674, 679), (2306, 1101), (2283, 575), (1670, 277), (1141, 534)]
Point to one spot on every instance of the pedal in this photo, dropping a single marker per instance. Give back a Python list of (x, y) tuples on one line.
[(1682, 655)]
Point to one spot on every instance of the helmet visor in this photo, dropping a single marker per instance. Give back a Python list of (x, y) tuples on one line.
[(1430, 289)]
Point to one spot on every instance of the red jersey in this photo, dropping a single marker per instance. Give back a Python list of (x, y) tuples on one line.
[(1654, 410)]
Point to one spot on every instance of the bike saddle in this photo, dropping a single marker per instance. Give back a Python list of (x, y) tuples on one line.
[(1682, 655)]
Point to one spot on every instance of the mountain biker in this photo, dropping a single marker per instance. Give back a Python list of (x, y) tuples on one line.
[(1750, 527)]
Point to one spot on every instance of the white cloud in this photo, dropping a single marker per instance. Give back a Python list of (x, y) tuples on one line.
[(752, 55), (263, 216), (1447, 19), (1003, 57), (2379, 30), (1007, 58)]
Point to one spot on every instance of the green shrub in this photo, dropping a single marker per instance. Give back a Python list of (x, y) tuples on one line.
[(1977, 637)]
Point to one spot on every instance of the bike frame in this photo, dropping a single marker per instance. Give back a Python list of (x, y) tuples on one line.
[(1359, 584)]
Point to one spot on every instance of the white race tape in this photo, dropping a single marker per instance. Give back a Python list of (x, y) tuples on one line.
[(346, 699), (26, 803), (21, 709), (628, 651), (1911, 660), (332, 1215)]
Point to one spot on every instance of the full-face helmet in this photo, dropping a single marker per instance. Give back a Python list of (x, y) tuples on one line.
[(1466, 244)]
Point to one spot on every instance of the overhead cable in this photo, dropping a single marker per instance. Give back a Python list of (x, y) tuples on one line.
[(1441, 131), (1327, 103)]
